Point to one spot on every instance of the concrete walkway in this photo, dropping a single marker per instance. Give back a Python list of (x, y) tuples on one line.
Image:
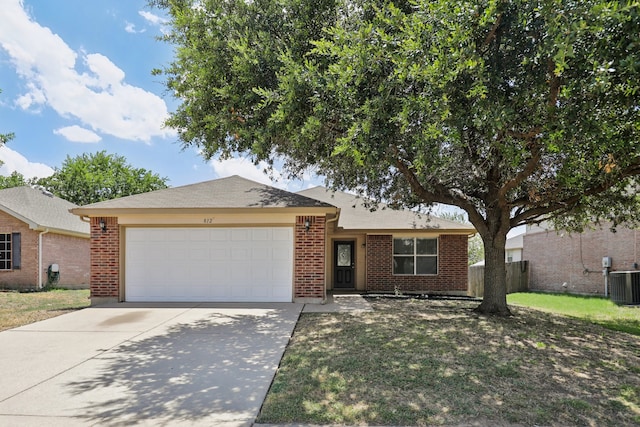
[(144, 364), (340, 303)]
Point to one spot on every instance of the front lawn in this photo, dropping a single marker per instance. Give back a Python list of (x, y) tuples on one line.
[(22, 308), (430, 362), (593, 309)]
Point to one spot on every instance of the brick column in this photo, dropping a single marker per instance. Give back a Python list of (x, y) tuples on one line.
[(309, 260), (105, 261)]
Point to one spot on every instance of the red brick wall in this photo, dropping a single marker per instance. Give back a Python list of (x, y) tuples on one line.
[(27, 276), (573, 262), (452, 267), (309, 258), (105, 259), (71, 254)]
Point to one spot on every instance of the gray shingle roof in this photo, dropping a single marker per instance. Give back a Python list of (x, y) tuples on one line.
[(41, 211), (231, 192), (355, 216)]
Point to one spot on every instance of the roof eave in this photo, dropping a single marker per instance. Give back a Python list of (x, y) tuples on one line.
[(114, 212), (466, 232), (32, 225), (62, 231)]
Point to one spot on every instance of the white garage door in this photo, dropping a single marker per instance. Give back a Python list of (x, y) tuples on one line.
[(209, 264)]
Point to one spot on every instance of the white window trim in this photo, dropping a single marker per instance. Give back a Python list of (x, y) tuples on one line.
[(415, 255)]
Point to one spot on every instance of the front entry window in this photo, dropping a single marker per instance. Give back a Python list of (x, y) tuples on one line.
[(344, 255), (415, 256), (344, 270), (5, 251)]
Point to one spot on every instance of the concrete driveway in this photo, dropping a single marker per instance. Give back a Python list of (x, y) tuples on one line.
[(144, 364)]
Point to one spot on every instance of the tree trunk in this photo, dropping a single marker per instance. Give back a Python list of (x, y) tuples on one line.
[(495, 277)]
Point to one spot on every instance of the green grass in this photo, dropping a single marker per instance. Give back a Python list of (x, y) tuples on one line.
[(428, 362), (22, 308), (592, 309)]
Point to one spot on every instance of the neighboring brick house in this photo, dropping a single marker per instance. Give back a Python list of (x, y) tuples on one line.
[(572, 262), (236, 240), (38, 231)]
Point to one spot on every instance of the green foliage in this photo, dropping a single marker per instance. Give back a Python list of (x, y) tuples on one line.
[(475, 248), (91, 178), (16, 179), (515, 111), (6, 137)]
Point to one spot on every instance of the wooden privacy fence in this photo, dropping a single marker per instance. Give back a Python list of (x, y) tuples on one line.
[(517, 278)]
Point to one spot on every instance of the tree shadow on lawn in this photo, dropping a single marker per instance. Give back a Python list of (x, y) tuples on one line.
[(427, 363), (216, 369)]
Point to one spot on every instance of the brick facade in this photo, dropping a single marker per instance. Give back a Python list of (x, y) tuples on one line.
[(27, 276), (573, 262), (69, 252), (309, 258), (105, 260), (310, 263), (452, 274)]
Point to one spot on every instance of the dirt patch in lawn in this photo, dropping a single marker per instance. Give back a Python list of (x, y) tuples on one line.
[(424, 362)]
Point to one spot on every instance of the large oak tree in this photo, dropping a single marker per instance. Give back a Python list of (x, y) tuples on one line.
[(516, 111)]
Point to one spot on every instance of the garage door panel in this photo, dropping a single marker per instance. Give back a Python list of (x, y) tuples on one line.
[(219, 234), (176, 235), (281, 234), (240, 234), (263, 235), (209, 264), (241, 257), (260, 254)]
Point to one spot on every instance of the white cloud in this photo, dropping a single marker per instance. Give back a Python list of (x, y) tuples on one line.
[(246, 169), (131, 28), (152, 18), (97, 96), (76, 133), (16, 162)]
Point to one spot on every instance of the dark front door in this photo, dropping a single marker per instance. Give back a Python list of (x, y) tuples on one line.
[(344, 265)]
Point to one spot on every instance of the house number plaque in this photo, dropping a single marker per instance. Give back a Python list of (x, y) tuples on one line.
[(208, 220)]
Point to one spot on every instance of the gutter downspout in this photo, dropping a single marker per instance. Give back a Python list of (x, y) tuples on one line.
[(326, 242), (40, 257)]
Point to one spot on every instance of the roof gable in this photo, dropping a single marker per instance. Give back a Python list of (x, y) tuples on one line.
[(230, 192), (41, 210), (354, 215)]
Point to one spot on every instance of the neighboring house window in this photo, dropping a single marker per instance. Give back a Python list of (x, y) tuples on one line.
[(16, 241), (510, 258), (10, 251), (414, 255), (5, 251)]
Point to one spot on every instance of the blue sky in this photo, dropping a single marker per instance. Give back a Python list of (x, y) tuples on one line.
[(75, 77)]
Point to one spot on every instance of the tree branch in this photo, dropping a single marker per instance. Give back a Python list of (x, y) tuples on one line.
[(554, 83), (442, 194), (532, 164), (571, 202), (492, 32)]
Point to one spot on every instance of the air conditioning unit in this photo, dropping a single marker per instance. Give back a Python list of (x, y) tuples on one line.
[(625, 287)]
